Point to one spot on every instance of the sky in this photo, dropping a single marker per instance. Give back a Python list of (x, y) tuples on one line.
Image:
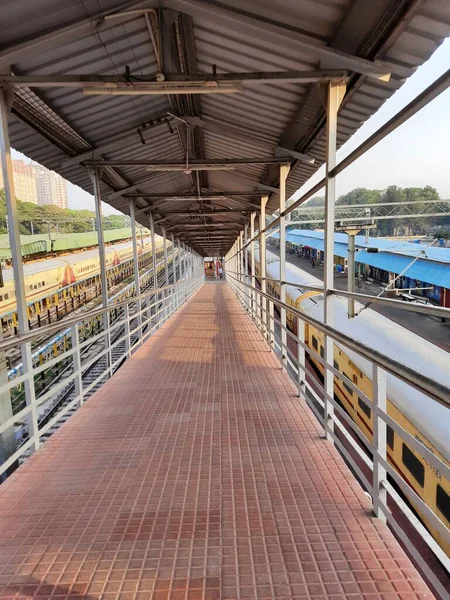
[(414, 155)]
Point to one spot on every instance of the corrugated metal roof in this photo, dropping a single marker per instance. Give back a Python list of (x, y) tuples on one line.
[(53, 124), (395, 256)]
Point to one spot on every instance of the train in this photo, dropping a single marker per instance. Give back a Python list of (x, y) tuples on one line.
[(426, 420), (52, 282)]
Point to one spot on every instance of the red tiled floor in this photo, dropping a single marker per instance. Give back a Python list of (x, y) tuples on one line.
[(195, 473)]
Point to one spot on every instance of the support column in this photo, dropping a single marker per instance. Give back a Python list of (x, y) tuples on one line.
[(241, 250), (96, 178), (252, 261), (262, 262), (166, 272), (152, 232), (8, 437), (137, 283), (284, 170), (246, 277), (335, 93), (174, 276)]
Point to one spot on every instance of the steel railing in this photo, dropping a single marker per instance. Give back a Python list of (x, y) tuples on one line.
[(124, 327), (385, 481)]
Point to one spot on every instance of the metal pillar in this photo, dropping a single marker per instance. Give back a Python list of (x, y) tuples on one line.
[(262, 263), (379, 441), (166, 265), (252, 262), (95, 175), (301, 355), (335, 93), (174, 271), (152, 232), (166, 273), (241, 265), (7, 439), (137, 283), (284, 170), (247, 290)]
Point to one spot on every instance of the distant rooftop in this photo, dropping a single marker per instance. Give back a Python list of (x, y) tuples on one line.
[(432, 265)]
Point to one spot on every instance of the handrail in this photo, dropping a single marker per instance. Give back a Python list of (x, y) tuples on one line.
[(437, 391), (20, 339), (438, 311)]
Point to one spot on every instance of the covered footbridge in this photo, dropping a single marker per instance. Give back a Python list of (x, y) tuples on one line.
[(207, 456)]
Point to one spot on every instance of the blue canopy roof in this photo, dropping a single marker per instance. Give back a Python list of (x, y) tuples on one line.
[(432, 264)]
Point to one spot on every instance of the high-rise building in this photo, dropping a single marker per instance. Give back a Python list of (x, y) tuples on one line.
[(51, 187), (24, 181)]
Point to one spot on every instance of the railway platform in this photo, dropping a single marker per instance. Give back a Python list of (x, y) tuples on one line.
[(196, 472)]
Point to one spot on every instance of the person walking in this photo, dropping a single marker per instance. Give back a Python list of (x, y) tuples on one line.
[(313, 262), (220, 272)]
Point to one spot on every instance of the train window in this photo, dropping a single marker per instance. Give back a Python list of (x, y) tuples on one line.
[(413, 464), (443, 502), (314, 343), (363, 406), (336, 365), (322, 351), (390, 437), (1, 298), (5, 297), (348, 388), (43, 283)]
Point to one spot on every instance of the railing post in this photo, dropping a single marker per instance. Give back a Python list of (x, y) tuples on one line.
[(137, 283), (30, 396), (271, 324), (126, 316), (246, 279), (262, 263), (166, 272), (379, 442), (335, 93), (96, 178), (76, 357), (284, 170), (252, 261), (301, 355)]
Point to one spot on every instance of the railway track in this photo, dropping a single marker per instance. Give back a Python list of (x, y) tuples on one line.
[(92, 374)]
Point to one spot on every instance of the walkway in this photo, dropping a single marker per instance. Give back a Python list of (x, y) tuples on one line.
[(195, 473)]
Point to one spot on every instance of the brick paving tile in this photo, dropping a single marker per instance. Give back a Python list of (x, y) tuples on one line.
[(195, 473)]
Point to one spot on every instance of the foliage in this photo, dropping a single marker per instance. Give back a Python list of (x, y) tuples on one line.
[(34, 218), (442, 234)]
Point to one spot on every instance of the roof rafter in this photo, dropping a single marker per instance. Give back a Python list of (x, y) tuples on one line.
[(198, 8)]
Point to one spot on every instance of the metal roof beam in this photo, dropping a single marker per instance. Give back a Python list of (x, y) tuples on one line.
[(201, 214), (113, 83), (188, 196), (292, 35), (194, 165)]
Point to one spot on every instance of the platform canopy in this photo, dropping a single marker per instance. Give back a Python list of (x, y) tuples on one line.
[(188, 107)]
